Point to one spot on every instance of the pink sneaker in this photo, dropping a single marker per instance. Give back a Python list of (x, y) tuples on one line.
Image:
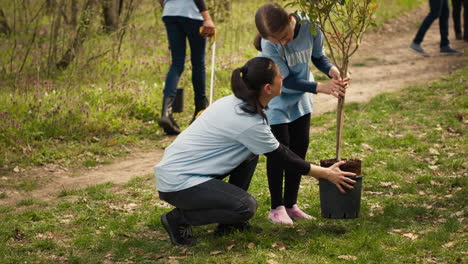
[(278, 216), (296, 213)]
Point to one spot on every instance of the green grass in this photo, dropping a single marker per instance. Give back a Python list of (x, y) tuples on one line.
[(389, 9), (412, 144)]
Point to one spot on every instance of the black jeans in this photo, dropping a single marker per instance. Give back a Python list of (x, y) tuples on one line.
[(179, 29), (440, 10), (456, 14), (216, 201), (294, 135)]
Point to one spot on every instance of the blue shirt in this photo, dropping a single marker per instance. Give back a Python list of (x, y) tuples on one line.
[(294, 60), (219, 140), (183, 8)]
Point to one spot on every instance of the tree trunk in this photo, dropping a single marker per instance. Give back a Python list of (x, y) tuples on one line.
[(121, 3), (340, 112), (110, 9), (4, 27), (80, 36), (50, 6), (74, 13)]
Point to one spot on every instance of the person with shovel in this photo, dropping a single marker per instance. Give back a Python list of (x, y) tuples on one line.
[(225, 140), (185, 19), (287, 39)]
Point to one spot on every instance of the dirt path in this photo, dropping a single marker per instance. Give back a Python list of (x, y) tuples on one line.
[(387, 65)]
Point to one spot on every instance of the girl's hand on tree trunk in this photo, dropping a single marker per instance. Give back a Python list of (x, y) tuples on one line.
[(336, 88), (338, 177), (334, 73)]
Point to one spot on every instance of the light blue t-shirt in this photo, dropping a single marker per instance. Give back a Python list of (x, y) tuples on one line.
[(183, 8), (294, 59), (220, 139)]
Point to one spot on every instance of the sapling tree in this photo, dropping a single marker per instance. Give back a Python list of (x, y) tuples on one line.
[(343, 23)]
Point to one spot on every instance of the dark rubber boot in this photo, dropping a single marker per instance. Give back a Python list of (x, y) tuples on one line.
[(200, 105), (167, 122)]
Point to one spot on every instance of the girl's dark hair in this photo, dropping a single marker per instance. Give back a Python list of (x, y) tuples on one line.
[(248, 81), (270, 19)]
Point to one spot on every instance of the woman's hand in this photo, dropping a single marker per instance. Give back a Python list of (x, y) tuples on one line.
[(208, 28), (338, 177), (335, 87)]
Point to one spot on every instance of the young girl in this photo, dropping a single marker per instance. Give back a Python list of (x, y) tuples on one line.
[(226, 141), (288, 41), (183, 19)]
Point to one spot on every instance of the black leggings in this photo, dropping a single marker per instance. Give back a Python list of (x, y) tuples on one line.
[(216, 201), (294, 135)]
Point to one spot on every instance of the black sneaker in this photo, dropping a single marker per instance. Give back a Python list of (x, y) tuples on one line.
[(418, 49), (224, 229), (180, 234), (447, 51)]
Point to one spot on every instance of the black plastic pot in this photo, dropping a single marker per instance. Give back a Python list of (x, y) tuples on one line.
[(336, 205), (178, 105)]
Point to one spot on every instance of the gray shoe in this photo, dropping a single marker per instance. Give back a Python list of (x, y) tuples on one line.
[(418, 49), (447, 51)]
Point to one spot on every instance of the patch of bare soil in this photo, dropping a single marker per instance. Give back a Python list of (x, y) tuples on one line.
[(385, 65)]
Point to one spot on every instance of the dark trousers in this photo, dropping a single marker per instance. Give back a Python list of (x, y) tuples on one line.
[(179, 29), (216, 201), (456, 15), (439, 10), (294, 135)]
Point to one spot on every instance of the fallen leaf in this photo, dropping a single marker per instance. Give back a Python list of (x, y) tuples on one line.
[(251, 245), (421, 193), (301, 232), (16, 169), (347, 257), (173, 260), (433, 167), (215, 252), (278, 245), (449, 244), (230, 247), (112, 143), (434, 151), (95, 139), (410, 236), (386, 184), (366, 146), (435, 183), (272, 261), (459, 213)]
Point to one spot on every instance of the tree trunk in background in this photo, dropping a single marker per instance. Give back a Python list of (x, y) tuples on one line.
[(110, 9), (4, 27), (121, 2), (74, 13), (81, 33), (50, 6)]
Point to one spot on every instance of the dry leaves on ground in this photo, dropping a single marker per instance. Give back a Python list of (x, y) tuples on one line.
[(347, 257)]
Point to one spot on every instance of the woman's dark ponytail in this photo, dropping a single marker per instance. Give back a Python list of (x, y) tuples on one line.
[(258, 42), (247, 83)]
